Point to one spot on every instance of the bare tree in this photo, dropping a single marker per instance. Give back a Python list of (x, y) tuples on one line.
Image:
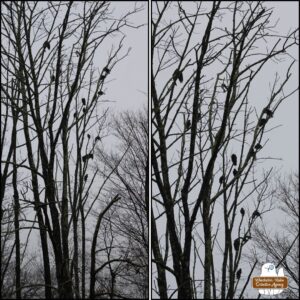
[(128, 166), (208, 136), (52, 93)]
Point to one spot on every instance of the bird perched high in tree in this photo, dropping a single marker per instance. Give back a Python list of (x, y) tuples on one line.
[(188, 124), (52, 78), (83, 101), (221, 179), (256, 214), (234, 159), (236, 244), (87, 156), (106, 70), (102, 77), (258, 146), (46, 45), (88, 136), (253, 153), (242, 211), (86, 177), (177, 75), (262, 122), (97, 138), (238, 274), (234, 172), (268, 112), (100, 93)]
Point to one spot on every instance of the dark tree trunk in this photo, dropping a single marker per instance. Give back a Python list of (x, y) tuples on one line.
[(161, 273), (42, 227), (16, 211)]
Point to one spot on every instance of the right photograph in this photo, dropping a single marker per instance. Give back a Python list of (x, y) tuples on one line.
[(225, 149)]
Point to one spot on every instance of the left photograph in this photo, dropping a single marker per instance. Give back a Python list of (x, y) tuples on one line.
[(74, 150)]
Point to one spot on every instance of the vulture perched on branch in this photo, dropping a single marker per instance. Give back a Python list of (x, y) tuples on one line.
[(177, 75), (234, 159), (236, 244), (242, 211), (221, 179), (238, 274), (255, 214), (262, 122), (188, 124), (46, 45), (268, 112), (107, 70), (258, 147)]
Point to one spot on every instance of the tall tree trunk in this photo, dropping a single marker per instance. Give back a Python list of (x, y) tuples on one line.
[(75, 256), (208, 249), (16, 212), (161, 273), (37, 204), (82, 252), (64, 214)]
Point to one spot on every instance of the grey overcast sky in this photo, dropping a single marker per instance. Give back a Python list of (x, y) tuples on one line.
[(129, 89)]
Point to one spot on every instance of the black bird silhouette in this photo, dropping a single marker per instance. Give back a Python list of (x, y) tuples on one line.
[(242, 211), (188, 124), (253, 154), (262, 122), (107, 70), (102, 77), (88, 136), (83, 101), (224, 87), (178, 75), (238, 274), (87, 156), (100, 93), (97, 138), (234, 172), (221, 179), (84, 110), (255, 214), (258, 146), (234, 159), (236, 244), (52, 78), (86, 177), (268, 112), (75, 115), (46, 45)]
